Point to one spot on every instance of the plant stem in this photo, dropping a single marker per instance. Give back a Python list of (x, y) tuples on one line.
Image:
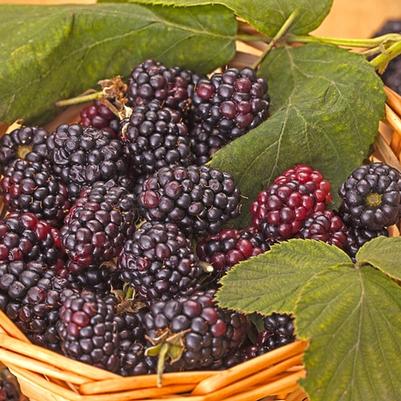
[(381, 61), (252, 38), (160, 364), (282, 31), (80, 99)]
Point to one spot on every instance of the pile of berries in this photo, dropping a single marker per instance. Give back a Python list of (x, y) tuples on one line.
[(114, 240)]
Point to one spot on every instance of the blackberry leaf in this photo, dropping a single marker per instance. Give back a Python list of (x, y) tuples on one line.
[(273, 281), (352, 315), (326, 104)]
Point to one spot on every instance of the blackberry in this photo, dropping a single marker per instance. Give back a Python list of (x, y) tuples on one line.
[(357, 237), (23, 237), (233, 102), (96, 228), (99, 116), (229, 247), (31, 187), (81, 156), (155, 137), (202, 333), (280, 211), (88, 330), (371, 197), (152, 80), (325, 226), (9, 390), (392, 75), (198, 199), (159, 263), (27, 143)]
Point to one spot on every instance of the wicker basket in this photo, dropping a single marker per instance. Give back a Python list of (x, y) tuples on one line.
[(47, 376)]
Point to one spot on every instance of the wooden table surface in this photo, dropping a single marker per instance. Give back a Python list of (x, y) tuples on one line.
[(348, 18)]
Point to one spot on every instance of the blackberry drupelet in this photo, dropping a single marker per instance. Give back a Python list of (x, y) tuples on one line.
[(81, 156), (204, 333), (23, 237), (357, 237), (96, 228), (198, 199), (159, 262), (31, 187), (371, 197), (98, 115), (88, 330), (155, 137), (233, 102), (229, 247), (152, 80), (280, 211), (27, 143), (325, 226)]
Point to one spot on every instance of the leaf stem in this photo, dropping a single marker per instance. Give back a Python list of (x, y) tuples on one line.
[(80, 99), (381, 61), (252, 38), (281, 32), (160, 363)]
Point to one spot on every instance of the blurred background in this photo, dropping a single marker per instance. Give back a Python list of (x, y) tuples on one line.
[(348, 18)]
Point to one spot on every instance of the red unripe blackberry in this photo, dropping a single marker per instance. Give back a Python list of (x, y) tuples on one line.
[(28, 143), (155, 137), (88, 330), (31, 187), (96, 228), (325, 226), (229, 247), (204, 333), (280, 211), (81, 156), (372, 197), (233, 102), (23, 237), (198, 199), (98, 115), (357, 237), (151, 80), (159, 262)]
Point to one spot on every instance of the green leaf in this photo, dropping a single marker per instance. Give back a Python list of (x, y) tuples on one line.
[(272, 281), (55, 52), (352, 318), (326, 108), (267, 15), (384, 254)]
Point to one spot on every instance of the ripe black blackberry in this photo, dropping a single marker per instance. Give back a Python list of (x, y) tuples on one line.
[(198, 199), (9, 390), (152, 80), (325, 226), (357, 237), (31, 187), (204, 333), (96, 228), (23, 237), (155, 137), (371, 197), (81, 156), (229, 247), (98, 115), (233, 102), (27, 143), (280, 211), (159, 262), (88, 330)]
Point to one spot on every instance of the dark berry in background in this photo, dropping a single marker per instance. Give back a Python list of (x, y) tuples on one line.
[(155, 137), (159, 262), (98, 115), (198, 199), (9, 390), (357, 237), (392, 75), (233, 102), (31, 187), (81, 156), (96, 228), (371, 197), (27, 143)]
